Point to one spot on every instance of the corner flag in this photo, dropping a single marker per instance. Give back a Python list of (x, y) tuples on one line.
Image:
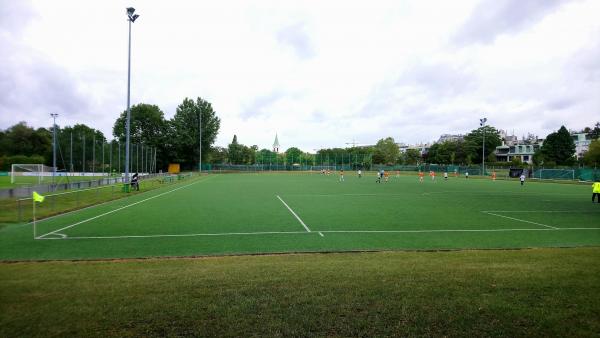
[(37, 197)]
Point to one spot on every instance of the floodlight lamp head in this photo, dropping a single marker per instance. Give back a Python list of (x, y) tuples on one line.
[(130, 11), (133, 18)]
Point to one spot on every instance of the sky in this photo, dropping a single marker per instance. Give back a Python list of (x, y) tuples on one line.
[(318, 73)]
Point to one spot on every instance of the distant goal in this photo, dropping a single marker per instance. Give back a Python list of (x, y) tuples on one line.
[(30, 173)]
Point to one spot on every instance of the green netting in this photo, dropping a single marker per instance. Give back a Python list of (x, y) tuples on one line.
[(588, 174)]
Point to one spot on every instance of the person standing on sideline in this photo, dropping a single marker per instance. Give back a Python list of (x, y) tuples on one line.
[(493, 175), (522, 178), (342, 175), (135, 183), (466, 174), (445, 175), (596, 190), (378, 177), (359, 173)]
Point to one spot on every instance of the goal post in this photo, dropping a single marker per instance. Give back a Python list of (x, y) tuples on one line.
[(29, 173)]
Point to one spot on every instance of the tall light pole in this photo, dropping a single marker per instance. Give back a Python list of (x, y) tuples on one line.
[(482, 124), (54, 115), (131, 18), (200, 140)]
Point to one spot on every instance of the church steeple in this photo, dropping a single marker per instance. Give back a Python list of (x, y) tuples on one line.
[(276, 144)]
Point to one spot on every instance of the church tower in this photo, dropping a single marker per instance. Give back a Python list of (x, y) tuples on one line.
[(276, 144)]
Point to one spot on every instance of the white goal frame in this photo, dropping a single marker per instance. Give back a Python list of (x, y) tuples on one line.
[(30, 169)]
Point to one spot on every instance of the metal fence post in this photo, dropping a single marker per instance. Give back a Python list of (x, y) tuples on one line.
[(19, 211)]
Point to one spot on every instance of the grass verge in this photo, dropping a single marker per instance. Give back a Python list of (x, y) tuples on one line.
[(539, 292)]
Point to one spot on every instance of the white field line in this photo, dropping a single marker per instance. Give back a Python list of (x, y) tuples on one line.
[(520, 220), (545, 211), (293, 213), (320, 233), (121, 208), (186, 235), (306, 233)]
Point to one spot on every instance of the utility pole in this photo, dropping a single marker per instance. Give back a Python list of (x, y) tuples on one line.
[(200, 141), (94, 153), (71, 156), (83, 160)]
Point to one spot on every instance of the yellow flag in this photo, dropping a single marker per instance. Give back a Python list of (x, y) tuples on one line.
[(37, 197)]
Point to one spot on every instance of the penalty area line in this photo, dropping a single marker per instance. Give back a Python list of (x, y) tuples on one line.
[(520, 220), (293, 213), (118, 209)]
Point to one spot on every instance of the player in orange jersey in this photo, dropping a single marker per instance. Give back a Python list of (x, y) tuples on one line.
[(421, 174), (493, 175)]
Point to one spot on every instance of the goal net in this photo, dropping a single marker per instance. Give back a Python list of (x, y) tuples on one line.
[(555, 174), (323, 167), (30, 173)]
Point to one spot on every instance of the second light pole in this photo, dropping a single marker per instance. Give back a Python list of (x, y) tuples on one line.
[(482, 124)]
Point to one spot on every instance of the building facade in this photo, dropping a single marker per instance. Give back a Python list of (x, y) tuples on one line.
[(582, 143)]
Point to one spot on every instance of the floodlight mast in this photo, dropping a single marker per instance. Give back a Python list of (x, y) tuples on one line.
[(482, 124), (54, 115), (131, 18)]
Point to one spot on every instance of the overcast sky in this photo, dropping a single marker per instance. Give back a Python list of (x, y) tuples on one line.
[(318, 73)]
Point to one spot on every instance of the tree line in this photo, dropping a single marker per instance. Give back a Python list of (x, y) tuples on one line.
[(175, 140), (82, 148)]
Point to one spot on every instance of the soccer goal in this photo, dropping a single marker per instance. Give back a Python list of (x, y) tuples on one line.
[(29, 173), (555, 174), (323, 167)]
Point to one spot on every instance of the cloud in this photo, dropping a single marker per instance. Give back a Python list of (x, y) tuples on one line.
[(260, 105), (32, 86), (491, 18), (296, 38)]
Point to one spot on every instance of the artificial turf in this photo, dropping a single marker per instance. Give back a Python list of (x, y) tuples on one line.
[(247, 214)]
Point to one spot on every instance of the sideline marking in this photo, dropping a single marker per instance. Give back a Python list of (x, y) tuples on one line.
[(121, 208), (306, 233), (547, 211), (184, 235), (520, 220), (293, 213)]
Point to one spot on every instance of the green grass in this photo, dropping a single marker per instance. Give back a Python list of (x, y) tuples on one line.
[(28, 180), (534, 293), (241, 214)]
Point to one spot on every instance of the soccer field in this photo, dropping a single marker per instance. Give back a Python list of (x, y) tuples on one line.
[(272, 213)]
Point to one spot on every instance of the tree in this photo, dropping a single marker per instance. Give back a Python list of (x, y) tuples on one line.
[(386, 152), (21, 139), (83, 138), (293, 155), (595, 132), (184, 130), (217, 155), (411, 156), (147, 125), (592, 156), (265, 156), (474, 143), (234, 151), (559, 147)]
